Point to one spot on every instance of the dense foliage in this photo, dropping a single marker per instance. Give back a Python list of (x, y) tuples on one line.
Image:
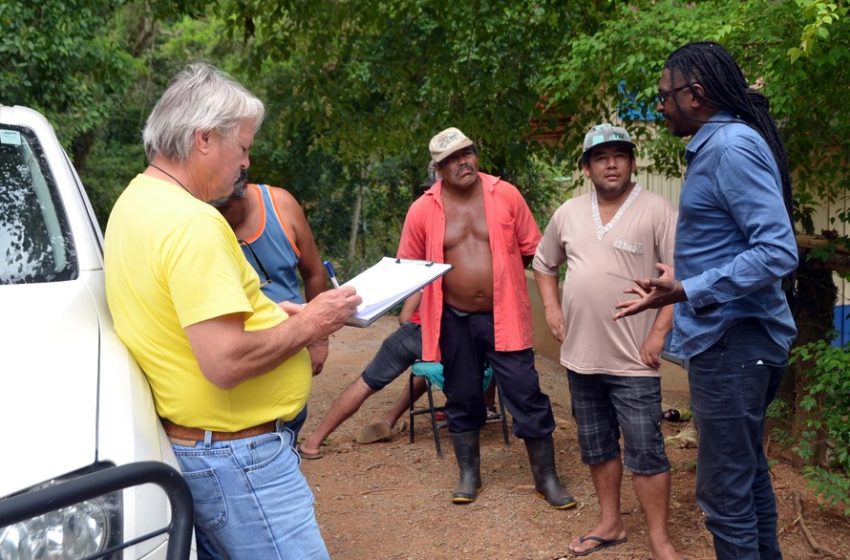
[(355, 93), (828, 401), (57, 60)]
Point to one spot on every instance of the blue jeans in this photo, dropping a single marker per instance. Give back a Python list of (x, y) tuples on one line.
[(251, 500), (296, 424), (731, 384)]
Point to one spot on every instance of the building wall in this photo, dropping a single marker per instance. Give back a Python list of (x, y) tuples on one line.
[(842, 306)]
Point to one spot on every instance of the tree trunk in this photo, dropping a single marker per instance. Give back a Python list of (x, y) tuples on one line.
[(355, 223), (813, 312)]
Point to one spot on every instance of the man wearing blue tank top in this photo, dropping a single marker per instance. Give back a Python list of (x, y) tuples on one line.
[(276, 239)]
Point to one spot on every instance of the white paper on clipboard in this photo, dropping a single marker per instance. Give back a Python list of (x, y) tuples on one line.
[(389, 282)]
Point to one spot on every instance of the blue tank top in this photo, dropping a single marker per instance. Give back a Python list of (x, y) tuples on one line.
[(275, 250)]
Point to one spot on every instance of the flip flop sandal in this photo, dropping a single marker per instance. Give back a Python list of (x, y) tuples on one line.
[(602, 543), (309, 456)]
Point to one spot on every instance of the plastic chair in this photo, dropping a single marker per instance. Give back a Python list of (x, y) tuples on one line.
[(432, 372)]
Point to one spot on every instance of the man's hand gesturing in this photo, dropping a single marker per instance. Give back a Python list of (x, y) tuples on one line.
[(653, 293)]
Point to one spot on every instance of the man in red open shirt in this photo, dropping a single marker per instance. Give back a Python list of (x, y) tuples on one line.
[(479, 312)]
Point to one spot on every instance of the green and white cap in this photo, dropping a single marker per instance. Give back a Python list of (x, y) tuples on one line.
[(606, 134)]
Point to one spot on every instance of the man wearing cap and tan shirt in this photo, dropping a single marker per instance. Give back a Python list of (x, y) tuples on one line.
[(615, 233), (480, 312)]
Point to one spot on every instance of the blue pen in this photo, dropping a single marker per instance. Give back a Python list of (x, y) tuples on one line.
[(331, 274)]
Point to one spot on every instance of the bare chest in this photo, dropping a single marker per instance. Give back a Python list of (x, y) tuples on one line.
[(465, 223)]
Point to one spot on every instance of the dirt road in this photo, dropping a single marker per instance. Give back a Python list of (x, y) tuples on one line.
[(390, 500)]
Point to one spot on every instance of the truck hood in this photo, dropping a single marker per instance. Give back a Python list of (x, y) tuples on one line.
[(50, 338)]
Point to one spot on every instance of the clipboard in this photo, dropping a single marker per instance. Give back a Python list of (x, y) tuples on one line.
[(389, 282)]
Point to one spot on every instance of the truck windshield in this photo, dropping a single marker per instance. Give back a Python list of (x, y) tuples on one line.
[(35, 241)]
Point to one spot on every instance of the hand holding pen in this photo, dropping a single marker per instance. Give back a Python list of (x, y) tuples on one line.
[(329, 310), (331, 273)]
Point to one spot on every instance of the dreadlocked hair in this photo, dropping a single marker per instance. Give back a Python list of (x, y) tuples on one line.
[(725, 87)]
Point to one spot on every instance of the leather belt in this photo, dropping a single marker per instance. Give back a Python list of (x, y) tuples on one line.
[(186, 434)]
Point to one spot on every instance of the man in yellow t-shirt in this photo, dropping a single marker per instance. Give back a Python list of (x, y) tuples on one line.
[(226, 365)]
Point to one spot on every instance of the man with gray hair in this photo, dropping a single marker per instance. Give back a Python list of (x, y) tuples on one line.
[(226, 365), (616, 232)]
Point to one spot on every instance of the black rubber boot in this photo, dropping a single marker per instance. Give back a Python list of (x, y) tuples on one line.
[(541, 455), (468, 455)]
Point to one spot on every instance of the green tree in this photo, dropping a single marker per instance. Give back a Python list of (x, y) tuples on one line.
[(84, 64), (360, 88), (58, 60), (799, 55)]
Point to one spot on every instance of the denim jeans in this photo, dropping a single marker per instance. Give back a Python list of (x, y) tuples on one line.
[(296, 424), (251, 499), (731, 385)]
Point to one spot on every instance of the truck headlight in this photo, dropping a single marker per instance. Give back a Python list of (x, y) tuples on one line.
[(76, 531)]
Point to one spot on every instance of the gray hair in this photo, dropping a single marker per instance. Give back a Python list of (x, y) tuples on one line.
[(199, 97)]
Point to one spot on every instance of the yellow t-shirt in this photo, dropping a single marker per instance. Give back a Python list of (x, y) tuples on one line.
[(172, 261)]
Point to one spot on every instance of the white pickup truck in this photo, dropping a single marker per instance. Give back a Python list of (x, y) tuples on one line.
[(72, 400)]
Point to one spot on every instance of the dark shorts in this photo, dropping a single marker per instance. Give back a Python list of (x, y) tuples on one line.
[(604, 405), (397, 353)]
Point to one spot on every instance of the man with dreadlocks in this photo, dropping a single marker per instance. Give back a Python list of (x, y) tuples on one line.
[(734, 244)]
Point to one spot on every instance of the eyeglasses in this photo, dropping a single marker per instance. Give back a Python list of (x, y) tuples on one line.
[(664, 94), (258, 265)]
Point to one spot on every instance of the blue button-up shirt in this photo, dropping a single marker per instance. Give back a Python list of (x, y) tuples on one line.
[(734, 240)]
